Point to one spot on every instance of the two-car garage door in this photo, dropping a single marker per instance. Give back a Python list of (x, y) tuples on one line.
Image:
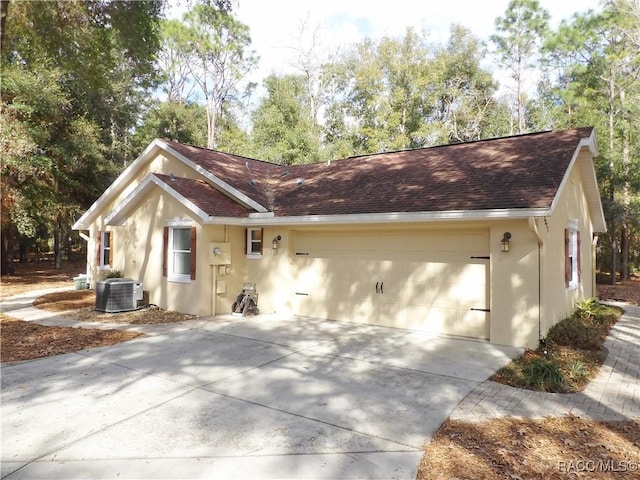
[(436, 281)]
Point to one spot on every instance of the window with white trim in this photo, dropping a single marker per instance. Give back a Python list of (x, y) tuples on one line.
[(572, 255), (254, 242), (105, 250), (179, 253)]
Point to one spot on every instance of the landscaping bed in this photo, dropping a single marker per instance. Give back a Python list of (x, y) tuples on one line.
[(80, 305), (545, 449), (22, 340), (569, 357)]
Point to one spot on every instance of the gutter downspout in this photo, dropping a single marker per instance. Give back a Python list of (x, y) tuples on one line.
[(533, 226)]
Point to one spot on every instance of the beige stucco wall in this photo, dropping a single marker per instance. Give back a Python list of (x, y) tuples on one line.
[(137, 245), (523, 299), (514, 285), (558, 301), (273, 273)]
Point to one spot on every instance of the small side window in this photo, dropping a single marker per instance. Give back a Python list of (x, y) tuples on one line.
[(105, 249), (572, 267), (254, 242)]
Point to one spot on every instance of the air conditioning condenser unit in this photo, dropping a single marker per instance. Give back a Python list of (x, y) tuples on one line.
[(118, 295)]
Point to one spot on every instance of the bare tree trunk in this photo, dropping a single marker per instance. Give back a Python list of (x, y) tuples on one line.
[(520, 99), (624, 253), (211, 124), (57, 242), (6, 253), (626, 196), (614, 254), (612, 195), (4, 8)]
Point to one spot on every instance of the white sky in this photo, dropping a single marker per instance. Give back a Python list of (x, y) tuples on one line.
[(274, 25)]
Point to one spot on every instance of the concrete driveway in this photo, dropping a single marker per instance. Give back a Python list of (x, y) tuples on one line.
[(256, 397)]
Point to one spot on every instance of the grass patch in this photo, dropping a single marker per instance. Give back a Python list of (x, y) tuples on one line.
[(571, 355)]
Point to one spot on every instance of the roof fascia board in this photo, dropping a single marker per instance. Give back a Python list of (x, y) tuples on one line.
[(218, 183), (587, 172), (592, 193), (88, 217), (117, 217), (373, 218)]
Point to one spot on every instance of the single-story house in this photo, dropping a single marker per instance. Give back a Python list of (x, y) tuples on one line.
[(492, 239)]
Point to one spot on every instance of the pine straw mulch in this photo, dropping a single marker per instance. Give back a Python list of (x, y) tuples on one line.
[(550, 448), (20, 340), (80, 305), (38, 275)]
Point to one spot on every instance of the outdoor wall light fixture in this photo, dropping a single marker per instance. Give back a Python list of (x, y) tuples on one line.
[(275, 242), (505, 241)]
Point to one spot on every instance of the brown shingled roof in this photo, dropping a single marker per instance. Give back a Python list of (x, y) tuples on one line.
[(244, 174), (205, 197), (518, 172)]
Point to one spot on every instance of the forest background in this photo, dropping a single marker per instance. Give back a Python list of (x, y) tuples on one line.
[(86, 85)]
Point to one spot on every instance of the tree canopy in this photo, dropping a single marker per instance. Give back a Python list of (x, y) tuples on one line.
[(88, 84)]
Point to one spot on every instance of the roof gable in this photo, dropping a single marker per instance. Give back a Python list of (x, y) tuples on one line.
[(205, 197), (155, 148), (510, 177), (197, 196)]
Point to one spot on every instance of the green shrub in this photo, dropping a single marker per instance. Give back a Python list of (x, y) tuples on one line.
[(575, 332), (544, 374), (112, 274), (591, 309), (577, 370), (570, 355)]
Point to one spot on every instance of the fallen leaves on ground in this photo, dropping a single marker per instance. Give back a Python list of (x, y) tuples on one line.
[(149, 315), (80, 305), (22, 340), (627, 291), (39, 275), (66, 301), (27, 340), (550, 448)]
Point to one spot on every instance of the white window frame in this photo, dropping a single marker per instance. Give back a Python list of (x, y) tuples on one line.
[(105, 250), (572, 250), (171, 275), (251, 242)]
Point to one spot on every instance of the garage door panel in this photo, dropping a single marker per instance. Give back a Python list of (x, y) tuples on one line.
[(424, 319), (353, 242), (443, 270), (357, 312), (308, 280), (473, 274), (311, 306), (470, 295), (472, 323), (359, 290), (426, 280), (446, 296)]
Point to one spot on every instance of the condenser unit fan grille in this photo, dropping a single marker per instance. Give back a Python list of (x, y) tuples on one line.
[(116, 295)]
